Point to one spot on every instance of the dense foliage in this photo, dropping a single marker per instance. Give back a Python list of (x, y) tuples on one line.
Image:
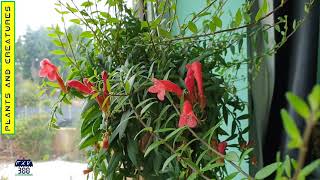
[(120, 61), (36, 142)]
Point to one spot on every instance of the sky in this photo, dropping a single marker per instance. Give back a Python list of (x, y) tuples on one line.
[(36, 13)]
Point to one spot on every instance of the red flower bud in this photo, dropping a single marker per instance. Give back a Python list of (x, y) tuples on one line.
[(105, 142), (87, 171)]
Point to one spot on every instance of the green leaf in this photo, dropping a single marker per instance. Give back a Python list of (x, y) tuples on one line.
[(71, 9), (291, 129), (243, 117), (57, 52), (201, 156), (164, 130), (86, 34), (299, 105), (87, 4), (76, 21), (144, 109), (129, 84), (133, 152), (152, 146), (175, 132), (238, 17), (307, 170), (262, 11), (211, 166), (193, 176), (267, 171), (314, 98), (122, 125), (52, 84), (217, 21), (231, 176), (287, 166), (166, 163), (192, 27), (164, 33), (105, 14), (87, 141), (244, 154), (144, 102), (232, 156), (113, 164), (148, 129)]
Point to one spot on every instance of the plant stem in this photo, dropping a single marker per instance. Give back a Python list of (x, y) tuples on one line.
[(304, 147), (221, 155), (164, 143), (230, 29)]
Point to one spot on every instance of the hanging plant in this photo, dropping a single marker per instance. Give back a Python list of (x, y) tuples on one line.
[(158, 106)]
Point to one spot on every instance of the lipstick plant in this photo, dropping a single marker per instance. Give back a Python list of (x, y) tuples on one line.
[(157, 105)]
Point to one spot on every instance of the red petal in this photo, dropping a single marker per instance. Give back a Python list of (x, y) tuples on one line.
[(153, 89), (161, 86), (187, 107), (104, 76), (80, 87), (61, 83), (171, 87), (104, 106), (187, 117), (47, 69), (222, 147), (161, 94), (88, 83), (197, 70), (105, 143), (189, 81)]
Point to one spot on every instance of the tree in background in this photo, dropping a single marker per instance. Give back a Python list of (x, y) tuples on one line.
[(33, 47)]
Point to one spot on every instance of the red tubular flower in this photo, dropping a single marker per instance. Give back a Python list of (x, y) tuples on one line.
[(85, 87), (195, 70), (219, 146), (49, 70), (189, 81), (104, 106), (161, 86), (222, 147), (104, 76), (105, 143), (187, 117)]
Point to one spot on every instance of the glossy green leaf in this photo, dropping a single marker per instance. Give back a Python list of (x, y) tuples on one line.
[(166, 163), (192, 27), (299, 105), (291, 129), (152, 147), (308, 169), (314, 98), (57, 52), (267, 171)]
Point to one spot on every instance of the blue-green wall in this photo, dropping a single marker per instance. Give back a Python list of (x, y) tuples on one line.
[(184, 9)]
